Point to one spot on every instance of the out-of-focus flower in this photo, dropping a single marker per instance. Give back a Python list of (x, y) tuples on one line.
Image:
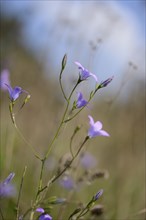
[(87, 160), (97, 210), (98, 194), (106, 82), (4, 79), (95, 129), (99, 174), (43, 216), (6, 188), (84, 74), (81, 102), (15, 92), (67, 182)]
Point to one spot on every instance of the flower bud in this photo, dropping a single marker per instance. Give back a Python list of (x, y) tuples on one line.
[(64, 61)]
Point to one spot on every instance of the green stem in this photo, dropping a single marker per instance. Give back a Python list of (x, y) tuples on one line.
[(56, 177), (62, 122), (60, 82), (21, 135), (74, 157), (69, 119), (40, 189)]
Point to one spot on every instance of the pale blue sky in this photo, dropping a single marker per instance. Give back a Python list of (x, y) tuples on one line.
[(58, 27)]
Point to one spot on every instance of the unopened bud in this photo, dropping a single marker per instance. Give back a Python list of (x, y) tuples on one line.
[(64, 61)]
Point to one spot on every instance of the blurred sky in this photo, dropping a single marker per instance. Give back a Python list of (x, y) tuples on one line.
[(103, 35)]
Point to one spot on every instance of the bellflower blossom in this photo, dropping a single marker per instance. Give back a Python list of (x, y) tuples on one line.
[(87, 160), (6, 189), (81, 102), (106, 82), (98, 194), (67, 182), (84, 74), (43, 216), (15, 92), (4, 79), (95, 129)]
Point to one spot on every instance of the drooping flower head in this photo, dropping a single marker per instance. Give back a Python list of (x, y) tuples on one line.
[(81, 102), (43, 216), (4, 79), (6, 188), (96, 129), (15, 92), (84, 73)]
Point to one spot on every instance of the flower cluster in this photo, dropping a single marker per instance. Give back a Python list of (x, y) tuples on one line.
[(65, 169)]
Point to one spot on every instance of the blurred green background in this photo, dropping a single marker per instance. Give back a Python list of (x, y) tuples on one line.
[(120, 107)]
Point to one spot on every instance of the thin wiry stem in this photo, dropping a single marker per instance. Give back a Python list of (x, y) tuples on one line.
[(61, 123), (23, 138), (11, 105), (91, 96), (40, 189), (61, 86)]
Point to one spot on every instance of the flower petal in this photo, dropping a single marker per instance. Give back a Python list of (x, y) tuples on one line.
[(94, 76), (81, 102), (9, 178), (80, 96), (79, 65), (4, 79), (98, 125), (9, 89), (41, 210), (103, 133), (16, 93), (45, 217), (91, 120)]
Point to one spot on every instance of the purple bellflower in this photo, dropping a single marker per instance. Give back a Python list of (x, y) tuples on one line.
[(43, 216), (84, 74), (15, 92), (4, 79), (87, 160), (95, 129), (81, 102), (67, 182), (106, 82), (6, 188), (98, 194)]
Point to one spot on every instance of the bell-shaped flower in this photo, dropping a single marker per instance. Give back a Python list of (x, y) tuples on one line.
[(15, 92), (67, 182), (87, 160), (6, 188), (84, 73), (98, 194), (43, 216), (106, 82), (96, 129), (81, 102)]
